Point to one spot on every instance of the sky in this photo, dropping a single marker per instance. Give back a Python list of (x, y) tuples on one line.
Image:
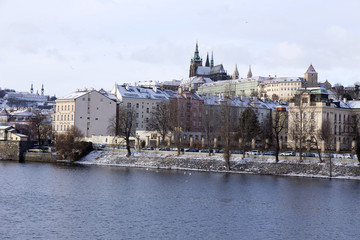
[(77, 44)]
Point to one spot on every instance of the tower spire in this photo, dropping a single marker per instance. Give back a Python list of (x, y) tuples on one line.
[(32, 89), (42, 89), (249, 75), (212, 59), (207, 63), (196, 53), (236, 73)]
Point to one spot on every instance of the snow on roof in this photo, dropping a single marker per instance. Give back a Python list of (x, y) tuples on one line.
[(242, 102), (127, 91), (203, 70), (171, 83), (311, 69), (217, 69), (19, 134), (5, 127), (75, 95), (354, 104)]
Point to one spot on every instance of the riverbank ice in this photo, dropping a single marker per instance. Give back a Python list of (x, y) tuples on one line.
[(200, 162)]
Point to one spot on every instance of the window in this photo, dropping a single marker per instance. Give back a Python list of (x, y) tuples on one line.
[(128, 105), (147, 110), (137, 115), (312, 115), (137, 105), (297, 115), (194, 114)]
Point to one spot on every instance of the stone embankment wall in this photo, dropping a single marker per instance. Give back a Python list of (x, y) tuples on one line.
[(13, 150), (40, 157), (10, 150)]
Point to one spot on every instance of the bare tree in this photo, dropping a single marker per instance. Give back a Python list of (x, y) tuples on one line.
[(324, 136), (227, 129), (302, 122), (69, 145), (339, 90), (355, 125), (159, 120), (175, 123), (37, 121), (248, 127), (265, 132), (209, 125), (122, 125), (279, 125), (46, 133)]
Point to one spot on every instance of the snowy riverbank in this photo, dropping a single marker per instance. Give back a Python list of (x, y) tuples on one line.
[(348, 169)]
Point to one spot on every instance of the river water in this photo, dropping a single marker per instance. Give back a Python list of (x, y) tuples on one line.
[(51, 201)]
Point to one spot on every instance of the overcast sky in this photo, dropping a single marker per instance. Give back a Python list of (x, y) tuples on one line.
[(73, 44)]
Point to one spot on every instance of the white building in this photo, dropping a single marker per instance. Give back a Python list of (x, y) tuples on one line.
[(90, 111)]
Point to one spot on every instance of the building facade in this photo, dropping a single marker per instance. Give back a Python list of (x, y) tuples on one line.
[(90, 111)]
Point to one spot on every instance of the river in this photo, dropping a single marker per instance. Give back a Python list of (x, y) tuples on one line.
[(54, 201)]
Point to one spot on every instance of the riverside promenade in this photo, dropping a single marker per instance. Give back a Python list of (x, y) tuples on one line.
[(287, 166)]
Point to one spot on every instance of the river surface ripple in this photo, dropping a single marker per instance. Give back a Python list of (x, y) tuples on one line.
[(52, 201)]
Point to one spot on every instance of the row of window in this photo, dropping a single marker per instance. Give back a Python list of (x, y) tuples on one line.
[(63, 127), (65, 108), (65, 117)]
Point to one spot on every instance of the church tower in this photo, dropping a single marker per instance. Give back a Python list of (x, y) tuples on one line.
[(236, 73), (195, 62), (311, 77), (249, 75)]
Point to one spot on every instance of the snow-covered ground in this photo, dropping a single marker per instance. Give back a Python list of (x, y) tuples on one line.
[(154, 159)]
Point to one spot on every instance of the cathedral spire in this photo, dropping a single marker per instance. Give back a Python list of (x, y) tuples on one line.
[(32, 89), (212, 60), (196, 53), (236, 73), (207, 63), (249, 75), (42, 89)]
